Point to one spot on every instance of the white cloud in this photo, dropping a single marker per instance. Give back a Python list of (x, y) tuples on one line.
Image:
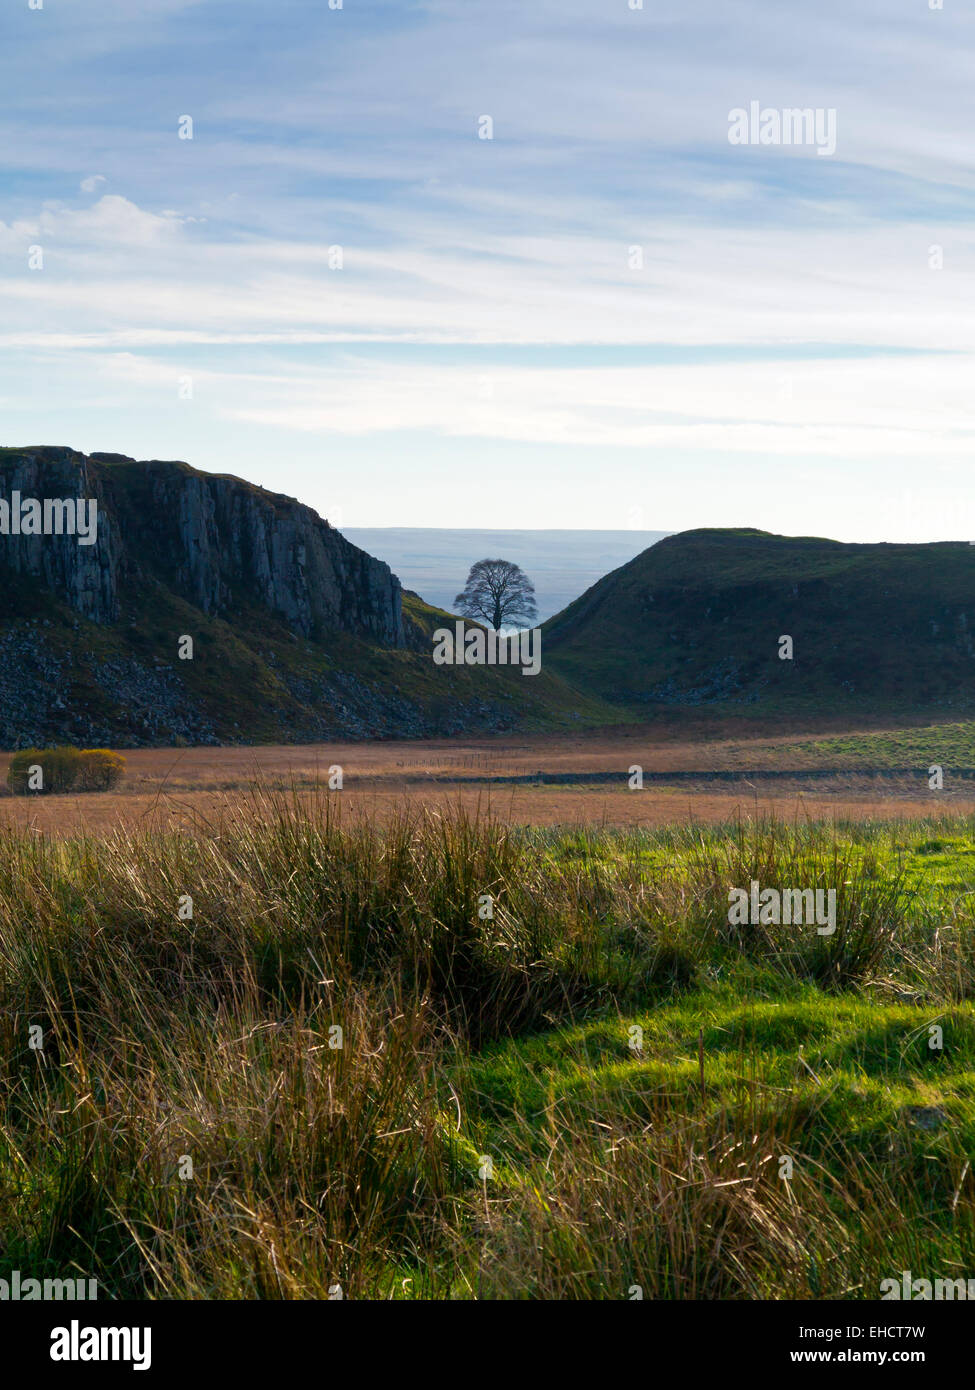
[(116, 273), (899, 406), (91, 236), (611, 131)]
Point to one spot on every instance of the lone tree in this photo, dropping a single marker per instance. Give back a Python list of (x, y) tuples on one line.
[(499, 593)]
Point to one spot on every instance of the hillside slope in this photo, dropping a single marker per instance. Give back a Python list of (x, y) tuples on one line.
[(298, 635), (696, 620)]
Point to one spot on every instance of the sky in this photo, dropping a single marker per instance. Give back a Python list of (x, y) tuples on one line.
[(606, 315)]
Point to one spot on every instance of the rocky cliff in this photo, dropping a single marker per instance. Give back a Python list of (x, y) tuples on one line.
[(86, 577), (298, 635), (218, 542)]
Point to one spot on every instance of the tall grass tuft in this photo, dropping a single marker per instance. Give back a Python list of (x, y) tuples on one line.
[(266, 1057)]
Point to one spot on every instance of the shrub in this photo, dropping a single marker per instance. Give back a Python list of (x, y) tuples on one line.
[(59, 767), (65, 769), (100, 769)]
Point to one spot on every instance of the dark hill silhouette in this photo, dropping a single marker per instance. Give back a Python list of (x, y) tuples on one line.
[(697, 618)]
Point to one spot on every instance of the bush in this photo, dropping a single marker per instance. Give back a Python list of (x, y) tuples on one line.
[(100, 769), (66, 769), (59, 768)]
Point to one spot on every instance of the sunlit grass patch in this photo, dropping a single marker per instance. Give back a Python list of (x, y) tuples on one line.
[(559, 1071)]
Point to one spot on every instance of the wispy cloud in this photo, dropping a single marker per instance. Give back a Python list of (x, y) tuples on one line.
[(608, 210)]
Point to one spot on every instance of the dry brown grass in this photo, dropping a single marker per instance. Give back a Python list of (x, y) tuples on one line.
[(171, 785)]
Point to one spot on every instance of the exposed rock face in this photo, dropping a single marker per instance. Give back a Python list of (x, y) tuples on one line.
[(85, 576), (297, 635), (216, 541)]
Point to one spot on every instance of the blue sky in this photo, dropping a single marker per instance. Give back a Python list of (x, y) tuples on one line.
[(781, 353)]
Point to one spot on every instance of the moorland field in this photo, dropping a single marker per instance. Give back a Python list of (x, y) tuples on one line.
[(559, 1073), (696, 769)]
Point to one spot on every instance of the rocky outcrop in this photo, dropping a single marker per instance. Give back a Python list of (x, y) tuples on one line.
[(41, 679), (86, 577), (297, 635), (55, 690), (218, 542)]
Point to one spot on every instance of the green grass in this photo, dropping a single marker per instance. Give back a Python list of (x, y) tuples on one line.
[(947, 745), (665, 1101), (695, 622)]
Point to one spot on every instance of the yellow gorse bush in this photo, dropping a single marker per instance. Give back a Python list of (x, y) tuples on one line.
[(100, 769)]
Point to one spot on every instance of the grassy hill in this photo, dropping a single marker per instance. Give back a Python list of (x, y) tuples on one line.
[(696, 621)]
